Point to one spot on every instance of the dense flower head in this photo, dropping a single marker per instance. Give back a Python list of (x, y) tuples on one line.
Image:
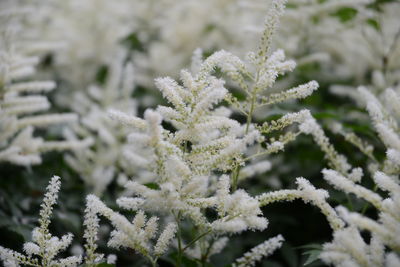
[(178, 127), (44, 248)]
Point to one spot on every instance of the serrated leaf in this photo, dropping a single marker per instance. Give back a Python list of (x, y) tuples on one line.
[(313, 255), (313, 251)]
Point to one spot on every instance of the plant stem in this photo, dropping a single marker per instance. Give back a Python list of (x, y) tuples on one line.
[(196, 239), (179, 257), (204, 257), (236, 171), (364, 209), (250, 113), (153, 262)]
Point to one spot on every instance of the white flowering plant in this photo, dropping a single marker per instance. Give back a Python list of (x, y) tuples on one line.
[(178, 128)]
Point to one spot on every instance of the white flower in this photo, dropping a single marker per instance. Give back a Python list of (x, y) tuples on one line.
[(43, 243), (257, 253), (111, 259), (22, 107), (164, 239), (31, 248)]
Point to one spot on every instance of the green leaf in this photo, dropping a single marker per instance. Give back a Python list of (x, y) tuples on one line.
[(313, 255), (5, 220), (209, 28), (186, 262), (153, 186), (22, 230), (346, 14), (325, 115), (105, 265), (102, 74), (133, 42), (311, 246), (289, 255), (189, 262), (313, 251), (374, 24)]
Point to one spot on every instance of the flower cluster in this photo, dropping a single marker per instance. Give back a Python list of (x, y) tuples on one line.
[(99, 164), (43, 249), (384, 230), (21, 99), (170, 164), (137, 235), (255, 254)]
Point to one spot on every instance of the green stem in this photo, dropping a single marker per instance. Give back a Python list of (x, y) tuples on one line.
[(235, 178), (179, 257), (204, 257), (196, 239), (153, 261), (236, 171), (250, 113), (350, 203), (364, 209)]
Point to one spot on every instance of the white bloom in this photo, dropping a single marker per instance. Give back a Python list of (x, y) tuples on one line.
[(394, 156), (111, 259), (392, 260), (386, 183), (31, 248), (22, 107), (43, 243), (126, 119), (347, 247), (342, 183), (257, 253), (164, 239), (218, 245)]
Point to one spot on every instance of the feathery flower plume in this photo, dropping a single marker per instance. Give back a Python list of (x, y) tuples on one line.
[(257, 253), (43, 249)]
